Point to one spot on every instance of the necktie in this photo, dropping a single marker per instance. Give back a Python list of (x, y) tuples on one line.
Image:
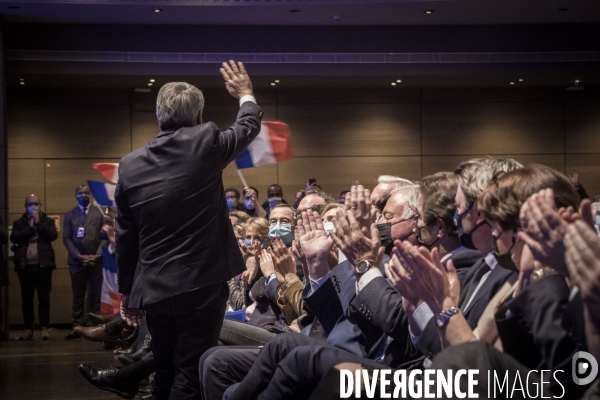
[(474, 284)]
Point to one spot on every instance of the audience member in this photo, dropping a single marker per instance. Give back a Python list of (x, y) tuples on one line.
[(232, 198), (238, 217), (81, 236), (251, 203), (32, 236), (274, 198), (385, 184)]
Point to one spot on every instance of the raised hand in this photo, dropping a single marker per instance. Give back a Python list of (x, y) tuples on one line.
[(543, 229), (265, 263), (315, 244), (583, 261), (282, 257), (357, 201), (251, 270), (353, 241), (236, 78)]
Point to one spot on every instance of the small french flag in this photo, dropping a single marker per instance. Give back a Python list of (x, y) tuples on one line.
[(104, 193), (272, 145), (109, 170)]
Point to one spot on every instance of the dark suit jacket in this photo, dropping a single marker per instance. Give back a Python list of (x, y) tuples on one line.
[(90, 242), (429, 342), (174, 232)]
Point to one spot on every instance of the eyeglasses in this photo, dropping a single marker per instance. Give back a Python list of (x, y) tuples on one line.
[(33, 204)]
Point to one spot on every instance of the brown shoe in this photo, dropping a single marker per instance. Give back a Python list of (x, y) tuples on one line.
[(96, 334), (101, 318), (45, 334)]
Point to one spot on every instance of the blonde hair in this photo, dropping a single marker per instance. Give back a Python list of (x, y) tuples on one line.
[(260, 226)]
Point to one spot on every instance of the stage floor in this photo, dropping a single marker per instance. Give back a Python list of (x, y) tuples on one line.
[(36, 369)]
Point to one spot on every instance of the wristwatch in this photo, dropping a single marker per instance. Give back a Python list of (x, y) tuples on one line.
[(363, 267), (442, 318)]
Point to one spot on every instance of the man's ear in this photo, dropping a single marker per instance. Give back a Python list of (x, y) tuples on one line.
[(480, 216), (442, 228), (200, 117)]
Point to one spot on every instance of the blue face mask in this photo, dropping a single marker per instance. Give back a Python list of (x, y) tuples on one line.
[(31, 209), (283, 232), (231, 203), (248, 243)]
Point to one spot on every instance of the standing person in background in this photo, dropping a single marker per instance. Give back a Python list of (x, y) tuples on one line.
[(176, 248), (32, 235), (274, 198), (253, 207), (232, 197), (81, 237)]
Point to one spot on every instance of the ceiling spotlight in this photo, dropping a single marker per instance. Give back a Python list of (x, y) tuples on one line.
[(152, 80), (150, 84), (273, 83), (21, 83), (21, 79), (520, 79), (428, 11), (399, 80), (276, 80), (393, 83), (512, 83), (157, 10)]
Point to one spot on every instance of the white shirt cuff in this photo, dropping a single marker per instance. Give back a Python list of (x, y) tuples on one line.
[(246, 98), (110, 249), (367, 277), (422, 316), (314, 285)]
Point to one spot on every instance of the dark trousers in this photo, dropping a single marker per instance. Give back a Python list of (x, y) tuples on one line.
[(33, 278), (290, 366), (223, 366), (80, 276), (183, 327)]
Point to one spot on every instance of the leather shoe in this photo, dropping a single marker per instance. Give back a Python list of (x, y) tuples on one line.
[(98, 319), (72, 335), (96, 334), (106, 379), (133, 358)]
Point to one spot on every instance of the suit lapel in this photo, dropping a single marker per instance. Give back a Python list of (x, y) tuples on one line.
[(484, 291), (468, 278)]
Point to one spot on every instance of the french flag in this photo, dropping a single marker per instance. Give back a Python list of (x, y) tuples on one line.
[(108, 170), (272, 145), (104, 193)]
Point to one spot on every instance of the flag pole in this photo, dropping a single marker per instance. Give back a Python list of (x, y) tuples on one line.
[(242, 178)]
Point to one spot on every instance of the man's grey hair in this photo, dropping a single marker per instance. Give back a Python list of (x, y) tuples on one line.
[(178, 105), (410, 196), (475, 175), (394, 181)]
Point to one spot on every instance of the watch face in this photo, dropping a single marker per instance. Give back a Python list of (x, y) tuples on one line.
[(363, 267)]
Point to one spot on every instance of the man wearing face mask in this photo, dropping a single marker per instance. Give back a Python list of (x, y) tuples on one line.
[(81, 237), (397, 218), (251, 205), (434, 228), (385, 184), (32, 236), (274, 198), (232, 197)]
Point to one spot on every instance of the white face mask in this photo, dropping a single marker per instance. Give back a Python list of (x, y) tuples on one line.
[(328, 227)]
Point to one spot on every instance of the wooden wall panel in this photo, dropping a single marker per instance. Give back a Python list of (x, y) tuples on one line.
[(144, 127), (433, 164), (353, 130), (583, 128), (61, 298), (493, 128), (66, 131), (63, 177), (334, 174), (25, 177), (588, 166)]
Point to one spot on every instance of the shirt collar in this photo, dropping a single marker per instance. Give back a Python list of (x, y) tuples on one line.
[(491, 260), (450, 254), (81, 207)]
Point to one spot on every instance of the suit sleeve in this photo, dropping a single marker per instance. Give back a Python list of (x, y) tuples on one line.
[(381, 305), (245, 129), (68, 237), (542, 307), (127, 242)]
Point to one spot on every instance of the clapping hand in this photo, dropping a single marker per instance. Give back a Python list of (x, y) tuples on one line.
[(252, 264), (583, 261), (236, 78), (283, 260), (357, 202), (315, 244)]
